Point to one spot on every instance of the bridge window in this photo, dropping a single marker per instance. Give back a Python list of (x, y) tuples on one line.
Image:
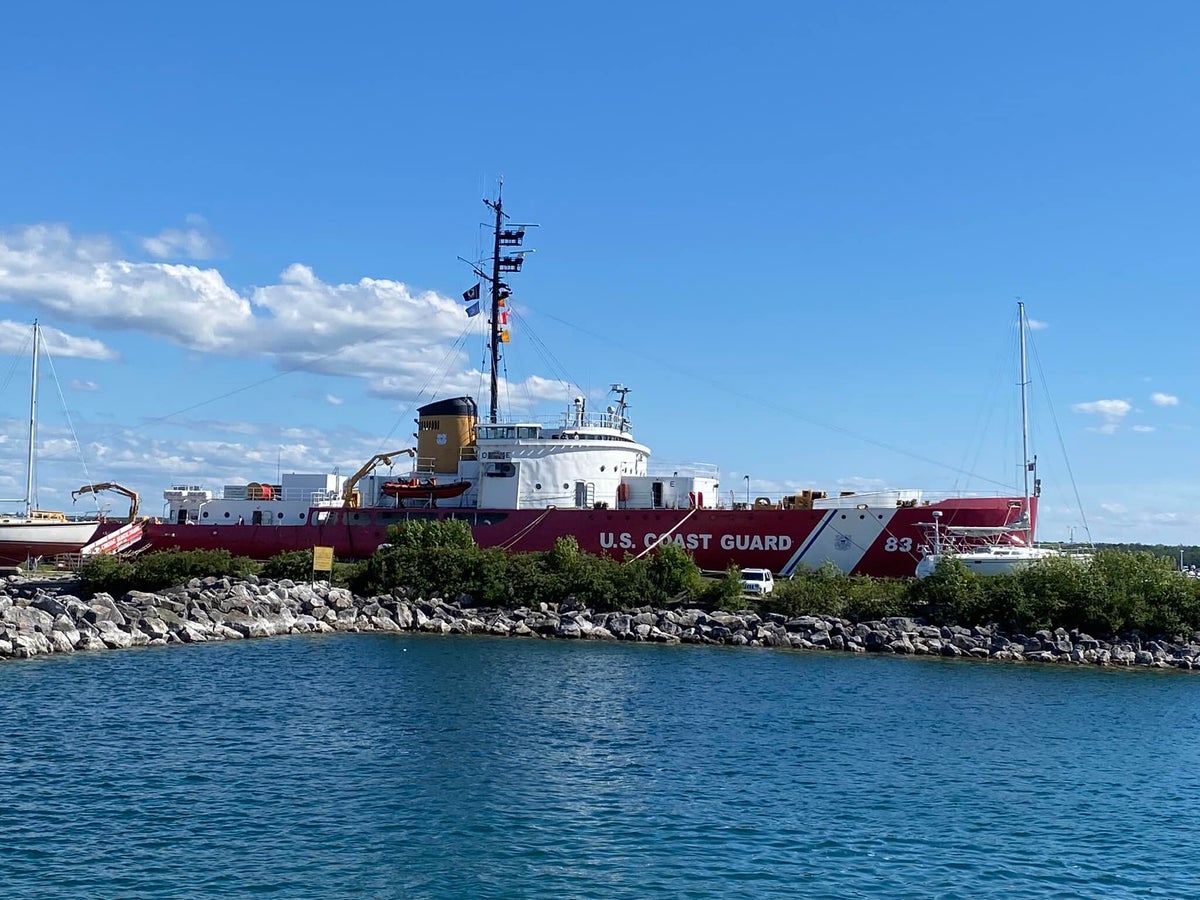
[(496, 433)]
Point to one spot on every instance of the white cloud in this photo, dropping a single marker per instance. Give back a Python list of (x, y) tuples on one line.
[(16, 339), (399, 340), (1160, 399), (84, 280), (537, 388), (334, 401), (1111, 411), (1037, 325), (183, 243), (1144, 429), (77, 385)]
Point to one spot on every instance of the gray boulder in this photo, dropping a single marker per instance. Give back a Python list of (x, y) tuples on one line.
[(48, 604), (28, 618)]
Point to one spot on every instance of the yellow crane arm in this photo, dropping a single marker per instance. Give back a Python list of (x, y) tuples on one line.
[(349, 494), (134, 499)]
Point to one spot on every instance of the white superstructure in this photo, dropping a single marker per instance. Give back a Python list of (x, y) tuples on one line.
[(286, 503)]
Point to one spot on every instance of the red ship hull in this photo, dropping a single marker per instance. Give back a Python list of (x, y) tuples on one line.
[(874, 541)]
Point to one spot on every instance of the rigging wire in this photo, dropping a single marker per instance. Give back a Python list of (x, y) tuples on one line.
[(443, 368), (1062, 445), (557, 369), (1002, 365), (70, 424), (796, 414), (307, 366), (16, 362)]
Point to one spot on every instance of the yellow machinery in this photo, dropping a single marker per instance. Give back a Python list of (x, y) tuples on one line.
[(802, 500), (116, 488), (350, 496), (446, 434)]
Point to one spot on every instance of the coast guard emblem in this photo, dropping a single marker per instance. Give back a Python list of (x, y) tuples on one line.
[(843, 542)]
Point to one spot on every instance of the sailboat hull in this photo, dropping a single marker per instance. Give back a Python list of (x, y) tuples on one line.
[(22, 538), (997, 560)]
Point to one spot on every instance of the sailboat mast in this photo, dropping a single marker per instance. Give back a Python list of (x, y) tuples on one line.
[(1024, 412), (33, 395)]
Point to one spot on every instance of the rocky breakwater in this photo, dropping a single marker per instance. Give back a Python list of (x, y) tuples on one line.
[(40, 616)]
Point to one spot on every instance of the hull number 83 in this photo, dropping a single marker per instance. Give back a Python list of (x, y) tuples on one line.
[(892, 544)]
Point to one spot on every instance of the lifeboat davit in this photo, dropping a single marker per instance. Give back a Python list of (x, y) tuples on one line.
[(416, 489)]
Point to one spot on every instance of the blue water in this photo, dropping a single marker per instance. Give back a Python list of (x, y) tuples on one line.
[(405, 766)]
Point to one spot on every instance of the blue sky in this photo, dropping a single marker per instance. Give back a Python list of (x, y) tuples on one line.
[(797, 231)]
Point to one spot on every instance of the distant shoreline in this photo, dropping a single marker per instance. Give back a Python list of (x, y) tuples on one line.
[(41, 615)]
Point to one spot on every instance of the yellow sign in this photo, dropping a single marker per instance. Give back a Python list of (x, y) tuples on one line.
[(322, 559)]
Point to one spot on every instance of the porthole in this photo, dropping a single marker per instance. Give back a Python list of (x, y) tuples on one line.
[(843, 515), (566, 486), (602, 468), (227, 515), (538, 486), (204, 515), (280, 516), (861, 516)]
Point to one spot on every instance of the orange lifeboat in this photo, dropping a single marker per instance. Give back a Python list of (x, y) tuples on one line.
[(416, 489)]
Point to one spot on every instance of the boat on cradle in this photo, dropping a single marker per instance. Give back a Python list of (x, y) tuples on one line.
[(33, 532), (984, 551), (530, 482), (1002, 550)]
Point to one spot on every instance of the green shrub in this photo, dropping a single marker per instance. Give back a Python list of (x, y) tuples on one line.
[(106, 574), (824, 592), (951, 595), (725, 592), (672, 575), (1143, 592), (431, 534), (439, 558), (160, 570), (828, 591), (296, 565)]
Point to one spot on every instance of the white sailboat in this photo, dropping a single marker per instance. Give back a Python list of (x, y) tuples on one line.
[(34, 532), (994, 551)]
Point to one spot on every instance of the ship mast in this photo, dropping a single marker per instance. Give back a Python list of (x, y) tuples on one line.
[(504, 236)]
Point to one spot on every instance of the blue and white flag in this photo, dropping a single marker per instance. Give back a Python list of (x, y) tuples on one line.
[(473, 309)]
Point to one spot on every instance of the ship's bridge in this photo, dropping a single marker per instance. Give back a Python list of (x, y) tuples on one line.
[(576, 460)]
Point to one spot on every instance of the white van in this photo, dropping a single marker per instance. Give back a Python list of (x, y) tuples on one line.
[(757, 581)]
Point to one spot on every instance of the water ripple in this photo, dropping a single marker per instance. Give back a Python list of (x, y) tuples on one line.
[(405, 766)]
